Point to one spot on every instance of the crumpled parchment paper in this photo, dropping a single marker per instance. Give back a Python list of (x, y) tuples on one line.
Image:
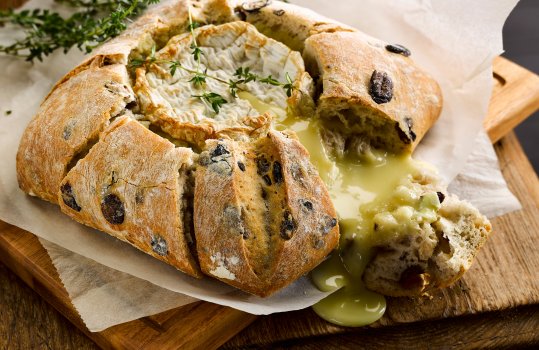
[(454, 40), (105, 297)]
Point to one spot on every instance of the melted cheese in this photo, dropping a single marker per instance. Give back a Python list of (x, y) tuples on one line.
[(350, 185), (386, 194), (351, 304), (260, 106)]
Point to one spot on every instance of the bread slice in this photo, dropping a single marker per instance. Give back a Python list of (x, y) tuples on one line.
[(371, 93), (263, 217), (67, 124), (136, 186)]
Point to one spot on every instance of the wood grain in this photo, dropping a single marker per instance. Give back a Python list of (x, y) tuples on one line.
[(515, 328), (28, 322), (7, 4), (508, 107), (196, 325)]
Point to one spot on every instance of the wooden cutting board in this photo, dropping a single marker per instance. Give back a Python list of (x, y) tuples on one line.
[(505, 275)]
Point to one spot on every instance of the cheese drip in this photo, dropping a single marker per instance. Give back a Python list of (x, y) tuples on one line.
[(375, 199)]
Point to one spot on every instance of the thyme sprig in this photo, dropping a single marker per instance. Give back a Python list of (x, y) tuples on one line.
[(198, 78), (246, 76), (46, 31)]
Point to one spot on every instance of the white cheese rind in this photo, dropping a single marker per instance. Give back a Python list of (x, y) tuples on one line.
[(169, 101)]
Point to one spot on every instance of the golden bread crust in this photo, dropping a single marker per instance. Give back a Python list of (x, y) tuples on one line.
[(89, 151), (270, 203), (288, 23), (68, 120)]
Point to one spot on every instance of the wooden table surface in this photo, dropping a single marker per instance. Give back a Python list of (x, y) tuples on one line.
[(27, 321)]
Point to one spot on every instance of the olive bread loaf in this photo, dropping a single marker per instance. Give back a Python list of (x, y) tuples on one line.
[(160, 140)]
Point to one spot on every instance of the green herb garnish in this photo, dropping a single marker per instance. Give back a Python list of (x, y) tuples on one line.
[(96, 21)]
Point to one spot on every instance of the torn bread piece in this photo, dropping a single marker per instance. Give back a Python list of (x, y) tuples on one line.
[(370, 93), (139, 192), (271, 220), (422, 238), (176, 104), (434, 257)]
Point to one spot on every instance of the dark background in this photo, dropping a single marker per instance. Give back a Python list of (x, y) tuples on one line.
[(521, 44)]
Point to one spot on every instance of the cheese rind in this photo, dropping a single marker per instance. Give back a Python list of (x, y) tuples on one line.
[(170, 102)]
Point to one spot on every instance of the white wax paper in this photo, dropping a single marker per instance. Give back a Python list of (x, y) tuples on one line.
[(481, 182), (454, 40)]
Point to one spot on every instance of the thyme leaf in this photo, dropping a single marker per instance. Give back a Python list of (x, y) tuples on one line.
[(136, 62), (270, 80), (197, 51), (245, 74), (198, 79), (192, 25), (213, 99), (289, 85)]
